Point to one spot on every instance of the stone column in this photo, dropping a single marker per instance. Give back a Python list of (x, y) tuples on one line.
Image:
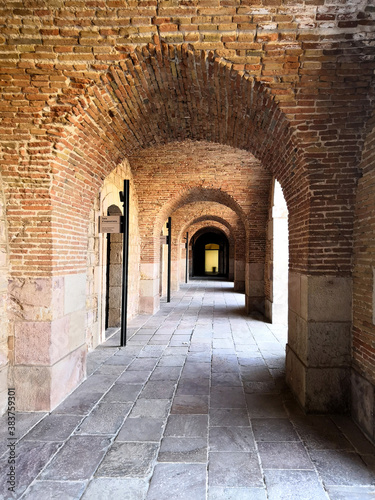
[(49, 321), (318, 349), (255, 300)]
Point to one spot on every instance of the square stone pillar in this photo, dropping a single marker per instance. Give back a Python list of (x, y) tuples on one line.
[(239, 276), (48, 318), (255, 298), (149, 300), (318, 349)]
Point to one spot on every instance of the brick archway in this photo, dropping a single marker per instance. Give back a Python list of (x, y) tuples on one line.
[(163, 95)]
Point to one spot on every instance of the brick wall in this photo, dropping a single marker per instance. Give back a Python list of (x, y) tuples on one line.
[(4, 326), (363, 335)]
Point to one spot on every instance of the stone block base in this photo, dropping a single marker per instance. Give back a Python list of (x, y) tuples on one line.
[(42, 388), (254, 304), (318, 389), (363, 404)]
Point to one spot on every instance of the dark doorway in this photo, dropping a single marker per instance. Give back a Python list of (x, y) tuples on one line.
[(211, 254)]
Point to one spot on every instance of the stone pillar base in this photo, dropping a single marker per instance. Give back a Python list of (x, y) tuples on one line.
[(318, 389), (239, 286), (42, 388), (363, 404)]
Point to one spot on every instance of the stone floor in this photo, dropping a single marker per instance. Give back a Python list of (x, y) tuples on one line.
[(194, 407)]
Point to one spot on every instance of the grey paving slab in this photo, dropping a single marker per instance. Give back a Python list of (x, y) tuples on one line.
[(133, 460), (193, 386), (320, 433), (338, 467), (134, 377), (231, 439), (353, 434), (294, 485), (273, 429), (55, 490), (31, 458), (190, 404), (181, 449), (110, 369), (226, 380), (182, 481), (122, 392), (106, 418), (265, 405), (223, 417), (77, 459), (79, 404), (113, 488), (227, 397), (284, 456), (24, 422), (156, 408), (142, 364), (54, 428), (187, 426), (178, 360), (222, 493), (141, 429), (351, 492), (237, 469), (120, 359), (166, 373), (192, 369), (158, 390)]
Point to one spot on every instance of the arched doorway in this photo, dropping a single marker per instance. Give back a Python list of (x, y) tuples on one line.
[(211, 254)]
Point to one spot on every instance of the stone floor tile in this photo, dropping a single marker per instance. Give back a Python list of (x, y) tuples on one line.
[(172, 360), (255, 374), (142, 364), (134, 377), (351, 492), (353, 434), (265, 406), (78, 404), (54, 428), (166, 373), (158, 390), (175, 351), (181, 449), (156, 408), (50, 490), (234, 469), (294, 485), (77, 459), (182, 481), (222, 493), (261, 387), (338, 467), (122, 392), (187, 426), (31, 458), (320, 433), (220, 417), (231, 439), (273, 429), (114, 488), (190, 404), (24, 423), (227, 397), (133, 460), (110, 369), (106, 418), (192, 369), (226, 380), (141, 429), (193, 386), (284, 456)]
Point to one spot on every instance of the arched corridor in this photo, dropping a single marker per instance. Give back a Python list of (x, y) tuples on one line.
[(194, 407)]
